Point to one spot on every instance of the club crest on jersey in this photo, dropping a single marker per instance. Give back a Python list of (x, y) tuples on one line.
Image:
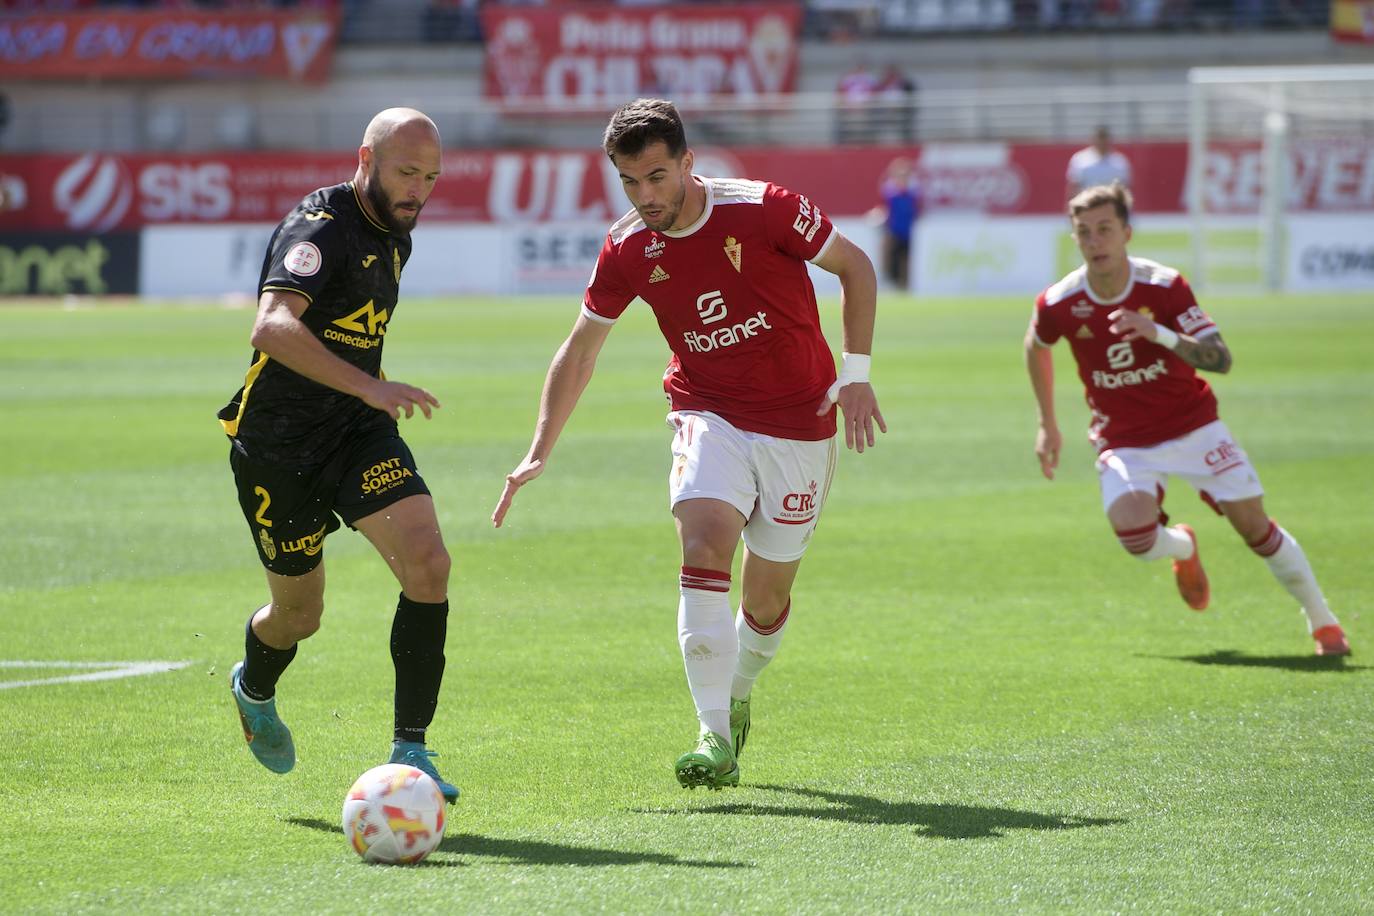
[(1081, 309), (734, 251), (655, 248)]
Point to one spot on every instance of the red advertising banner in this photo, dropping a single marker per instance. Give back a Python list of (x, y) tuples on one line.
[(104, 192), (595, 55), (1352, 20), (293, 44)]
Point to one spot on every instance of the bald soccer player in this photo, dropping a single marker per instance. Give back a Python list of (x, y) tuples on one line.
[(313, 436)]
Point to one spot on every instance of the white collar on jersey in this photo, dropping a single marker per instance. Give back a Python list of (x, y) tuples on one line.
[(1120, 297), (705, 212)]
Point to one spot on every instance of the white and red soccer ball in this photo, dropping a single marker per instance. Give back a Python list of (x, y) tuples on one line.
[(394, 814)]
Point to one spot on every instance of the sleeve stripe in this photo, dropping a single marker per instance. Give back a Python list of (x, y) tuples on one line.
[(593, 316), (825, 246), (287, 289)]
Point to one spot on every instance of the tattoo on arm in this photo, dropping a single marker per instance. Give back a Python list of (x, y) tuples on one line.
[(1209, 354)]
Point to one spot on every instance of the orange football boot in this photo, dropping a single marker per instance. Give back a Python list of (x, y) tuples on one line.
[(1191, 579), (1331, 640)]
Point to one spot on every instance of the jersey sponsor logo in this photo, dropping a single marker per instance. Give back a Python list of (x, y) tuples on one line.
[(1193, 319), (711, 307), (1084, 332), (1224, 457), (365, 320), (1129, 377), (655, 248), (303, 260), (367, 261), (734, 251), (316, 215), (1120, 355), (727, 336), (1081, 309), (658, 274), (309, 545), (808, 219), (798, 508), (384, 475)]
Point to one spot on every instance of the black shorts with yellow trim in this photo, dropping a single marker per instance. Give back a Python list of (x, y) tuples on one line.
[(290, 511)]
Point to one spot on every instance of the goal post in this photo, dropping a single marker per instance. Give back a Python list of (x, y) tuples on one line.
[(1258, 140)]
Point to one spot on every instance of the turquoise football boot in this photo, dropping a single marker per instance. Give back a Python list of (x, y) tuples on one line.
[(415, 754), (268, 737)]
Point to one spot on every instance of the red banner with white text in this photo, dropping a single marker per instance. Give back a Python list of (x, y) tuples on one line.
[(600, 55), (104, 192), (296, 44)]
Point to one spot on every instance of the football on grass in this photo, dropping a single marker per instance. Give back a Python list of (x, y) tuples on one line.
[(394, 814)]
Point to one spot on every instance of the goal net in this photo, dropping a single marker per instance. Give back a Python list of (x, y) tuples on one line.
[(1280, 189)]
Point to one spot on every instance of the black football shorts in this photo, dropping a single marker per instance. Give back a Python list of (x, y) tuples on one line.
[(290, 511)]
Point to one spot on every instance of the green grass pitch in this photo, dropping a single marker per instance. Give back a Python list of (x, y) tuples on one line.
[(982, 704)]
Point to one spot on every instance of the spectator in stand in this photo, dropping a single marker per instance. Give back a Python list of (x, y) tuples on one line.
[(1097, 164), (853, 117), (896, 97), (901, 205)]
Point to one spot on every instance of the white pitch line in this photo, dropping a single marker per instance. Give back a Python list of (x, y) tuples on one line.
[(109, 671)]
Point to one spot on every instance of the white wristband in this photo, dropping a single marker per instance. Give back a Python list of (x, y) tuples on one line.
[(1166, 337), (853, 368)]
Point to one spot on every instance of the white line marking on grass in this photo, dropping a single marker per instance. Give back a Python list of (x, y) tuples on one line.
[(108, 671)]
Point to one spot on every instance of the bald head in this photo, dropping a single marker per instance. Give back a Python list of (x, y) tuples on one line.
[(399, 125), (398, 163)]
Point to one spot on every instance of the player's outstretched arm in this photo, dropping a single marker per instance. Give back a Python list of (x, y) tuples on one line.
[(279, 332), (859, 306), (1208, 353), (1040, 367), (568, 375)]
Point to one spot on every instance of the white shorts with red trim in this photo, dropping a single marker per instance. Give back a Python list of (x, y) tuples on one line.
[(778, 485), (1208, 458)]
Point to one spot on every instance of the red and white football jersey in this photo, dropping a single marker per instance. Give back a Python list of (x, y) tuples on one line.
[(1140, 393), (733, 298)]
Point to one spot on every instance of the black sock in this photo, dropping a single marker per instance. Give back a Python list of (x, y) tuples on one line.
[(417, 651), (262, 665)]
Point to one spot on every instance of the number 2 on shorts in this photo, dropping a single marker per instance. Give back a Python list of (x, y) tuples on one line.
[(261, 515)]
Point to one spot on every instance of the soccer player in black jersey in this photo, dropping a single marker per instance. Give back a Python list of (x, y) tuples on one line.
[(314, 438)]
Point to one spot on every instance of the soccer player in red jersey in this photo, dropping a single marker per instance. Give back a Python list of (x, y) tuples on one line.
[(752, 391), (1138, 336)]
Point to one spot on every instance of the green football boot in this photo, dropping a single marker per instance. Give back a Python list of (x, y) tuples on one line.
[(711, 764), (267, 735), (415, 754), (739, 723)]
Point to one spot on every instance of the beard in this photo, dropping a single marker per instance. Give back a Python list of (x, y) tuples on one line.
[(669, 211), (400, 221)]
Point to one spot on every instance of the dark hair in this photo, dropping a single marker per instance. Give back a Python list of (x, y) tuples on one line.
[(1115, 194), (638, 124)]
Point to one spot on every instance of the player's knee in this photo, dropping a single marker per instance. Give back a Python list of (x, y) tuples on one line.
[(707, 549), (296, 620), (764, 610), (427, 572)]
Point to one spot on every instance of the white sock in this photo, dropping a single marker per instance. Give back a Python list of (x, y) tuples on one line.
[(757, 646), (710, 646), (1289, 565), (1155, 541)]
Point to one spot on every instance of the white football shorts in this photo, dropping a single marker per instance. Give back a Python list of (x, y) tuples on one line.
[(1208, 458), (778, 485)]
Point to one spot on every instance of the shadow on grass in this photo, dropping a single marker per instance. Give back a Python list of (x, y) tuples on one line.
[(949, 822), (1238, 659), (533, 852)]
